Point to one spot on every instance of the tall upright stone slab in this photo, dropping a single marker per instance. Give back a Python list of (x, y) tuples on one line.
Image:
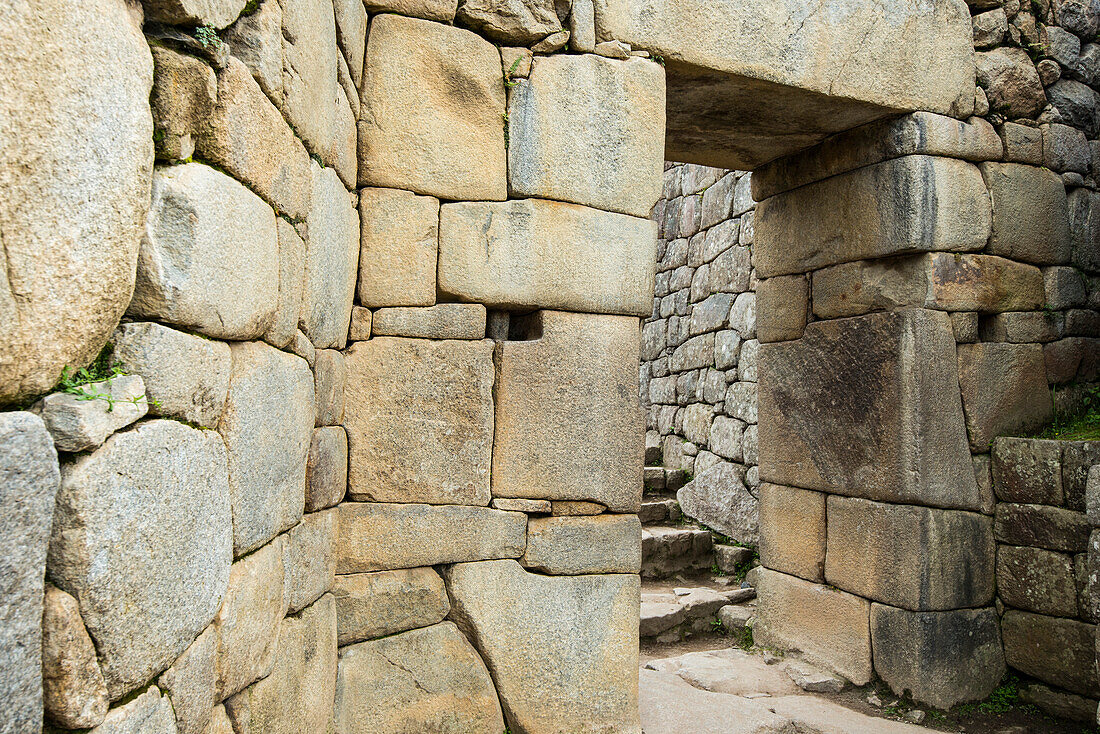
[(568, 425)]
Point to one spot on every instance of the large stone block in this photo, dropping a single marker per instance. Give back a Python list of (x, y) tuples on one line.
[(1030, 213), (1027, 470), (209, 258), (216, 13), (370, 605), (81, 422), (76, 160), (419, 416), (376, 536), (868, 407), (161, 584), (1041, 526), (267, 426), (185, 90), (718, 498), (399, 248), (257, 40), (563, 650), (309, 559), (911, 557), (425, 680), (532, 253), (939, 280), (938, 658), (185, 376), (511, 23), (792, 531), (614, 112), (1036, 580), (828, 626), (73, 692), (332, 258), (1009, 77), (568, 424), (911, 204), (442, 321), (783, 76), (1004, 390), (433, 105), (1052, 649), (581, 545)]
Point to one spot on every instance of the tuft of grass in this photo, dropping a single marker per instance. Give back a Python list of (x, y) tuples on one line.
[(1082, 425), (742, 637), (102, 368)]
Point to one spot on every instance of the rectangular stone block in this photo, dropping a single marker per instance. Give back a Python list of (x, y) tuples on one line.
[(1031, 213), (1036, 580), (1041, 526), (1054, 650), (370, 605), (568, 423), (1078, 458), (911, 204), (578, 545), (442, 321), (376, 536), (830, 628), (1027, 470), (783, 307), (911, 557), (533, 253), (399, 246), (1004, 390), (613, 155), (792, 531), (419, 416), (868, 407), (309, 559), (332, 259)]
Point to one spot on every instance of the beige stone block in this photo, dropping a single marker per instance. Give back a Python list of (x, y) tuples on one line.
[(868, 407), (441, 10), (216, 13), (326, 468), (370, 605), (185, 91), (359, 329), (442, 321), (782, 306), (257, 40), (1030, 213), (191, 683), (830, 628), (309, 559), (531, 507), (913, 204), (419, 416), (579, 545), (433, 105), (572, 508), (516, 23), (612, 156), (292, 263), (533, 253), (400, 244), (1004, 390), (916, 558), (573, 431), (792, 531), (332, 258), (563, 650), (73, 692), (425, 680), (380, 537)]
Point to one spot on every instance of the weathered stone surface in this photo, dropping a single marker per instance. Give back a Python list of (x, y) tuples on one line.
[(169, 562), (149, 713), (1027, 470), (399, 248), (73, 692), (544, 254), (911, 557), (1004, 390), (939, 280), (1031, 213), (573, 433), (442, 321), (329, 376), (332, 256), (257, 40), (886, 383), (792, 531), (191, 683), (581, 545), (419, 416), (359, 330), (216, 13), (1036, 580), (185, 90), (79, 422), (423, 129), (299, 694), (309, 559), (185, 376), (563, 650), (535, 507), (1058, 703), (1054, 650), (1041, 526), (1085, 229), (934, 204), (248, 621), (267, 426), (783, 307), (247, 137), (77, 156), (219, 722), (351, 32), (516, 22), (1078, 458), (370, 605), (326, 468), (208, 261), (378, 537), (718, 498), (921, 133), (1008, 75), (441, 10), (616, 108), (939, 658), (830, 627), (575, 508), (424, 680)]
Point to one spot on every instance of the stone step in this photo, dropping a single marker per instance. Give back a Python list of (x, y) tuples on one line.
[(657, 511), (657, 479), (667, 551), (689, 610)]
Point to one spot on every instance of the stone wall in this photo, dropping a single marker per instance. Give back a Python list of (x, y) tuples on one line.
[(698, 371)]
